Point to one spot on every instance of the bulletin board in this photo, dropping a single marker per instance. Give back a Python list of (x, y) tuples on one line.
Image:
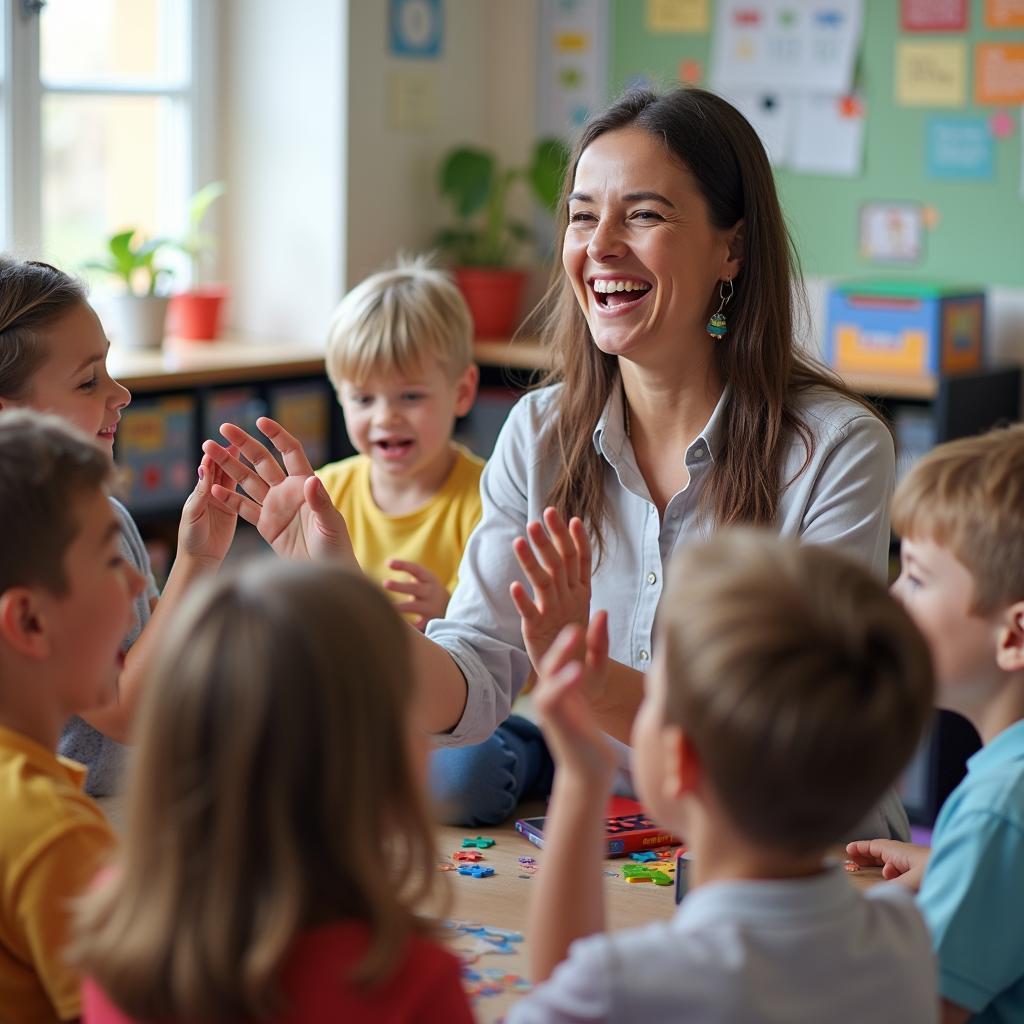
[(975, 232)]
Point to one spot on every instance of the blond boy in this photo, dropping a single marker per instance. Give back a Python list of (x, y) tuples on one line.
[(960, 513), (400, 356), (66, 594), (777, 667)]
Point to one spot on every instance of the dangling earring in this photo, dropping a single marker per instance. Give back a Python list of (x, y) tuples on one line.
[(717, 326)]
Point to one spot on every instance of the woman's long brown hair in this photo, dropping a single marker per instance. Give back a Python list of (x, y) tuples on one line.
[(758, 358), (274, 790)]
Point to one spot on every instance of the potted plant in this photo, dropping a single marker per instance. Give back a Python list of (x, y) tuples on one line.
[(196, 313), (484, 245), (136, 317)]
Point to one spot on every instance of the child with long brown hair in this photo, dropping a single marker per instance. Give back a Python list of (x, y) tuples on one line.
[(272, 874)]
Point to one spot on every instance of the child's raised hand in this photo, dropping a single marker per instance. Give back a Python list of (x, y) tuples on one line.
[(207, 525), (905, 861), (289, 506), (428, 598), (557, 561), (579, 747)]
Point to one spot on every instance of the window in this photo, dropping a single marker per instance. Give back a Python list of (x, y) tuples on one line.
[(107, 106)]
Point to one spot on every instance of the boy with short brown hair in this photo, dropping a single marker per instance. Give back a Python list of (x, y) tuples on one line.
[(960, 513), (66, 597), (777, 666)]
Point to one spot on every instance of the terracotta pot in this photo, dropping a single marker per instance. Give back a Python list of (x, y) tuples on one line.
[(196, 314), (494, 296), (136, 321)]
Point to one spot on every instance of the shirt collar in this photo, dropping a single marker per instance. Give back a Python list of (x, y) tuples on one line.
[(610, 433), (1006, 747)]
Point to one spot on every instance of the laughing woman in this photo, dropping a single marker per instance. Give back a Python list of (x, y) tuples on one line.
[(678, 402)]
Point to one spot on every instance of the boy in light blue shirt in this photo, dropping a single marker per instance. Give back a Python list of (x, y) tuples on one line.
[(960, 513)]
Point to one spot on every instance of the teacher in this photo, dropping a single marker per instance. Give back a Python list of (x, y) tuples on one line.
[(678, 402)]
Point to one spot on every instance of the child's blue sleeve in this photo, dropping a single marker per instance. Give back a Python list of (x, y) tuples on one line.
[(971, 897)]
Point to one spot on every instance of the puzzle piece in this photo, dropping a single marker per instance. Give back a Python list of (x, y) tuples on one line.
[(643, 858), (476, 870), (480, 842), (470, 855), (635, 873)]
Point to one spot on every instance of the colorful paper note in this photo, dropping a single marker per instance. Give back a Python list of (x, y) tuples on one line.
[(786, 45), (771, 115), (999, 73), (933, 15), (960, 149), (1004, 13), (829, 135), (931, 74), (891, 232), (677, 16)]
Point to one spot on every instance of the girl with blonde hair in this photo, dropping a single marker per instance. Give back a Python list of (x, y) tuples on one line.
[(277, 840)]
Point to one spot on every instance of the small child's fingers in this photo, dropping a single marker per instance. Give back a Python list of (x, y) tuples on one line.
[(581, 540), (597, 640), (528, 611), (553, 687), (290, 447), (566, 648), (546, 552), (254, 485), (257, 454), (539, 579), (411, 587), (563, 544), (237, 503), (414, 569)]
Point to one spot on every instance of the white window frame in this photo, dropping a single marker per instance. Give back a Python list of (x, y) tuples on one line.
[(23, 91)]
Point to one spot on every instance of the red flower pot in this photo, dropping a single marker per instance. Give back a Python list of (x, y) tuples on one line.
[(195, 315), (494, 296)]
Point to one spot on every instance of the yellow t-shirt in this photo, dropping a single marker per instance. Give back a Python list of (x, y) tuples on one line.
[(52, 839), (434, 535)]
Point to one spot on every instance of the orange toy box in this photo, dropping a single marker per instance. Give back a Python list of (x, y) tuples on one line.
[(913, 329)]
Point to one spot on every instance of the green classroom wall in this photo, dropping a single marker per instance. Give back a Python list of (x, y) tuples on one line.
[(979, 237)]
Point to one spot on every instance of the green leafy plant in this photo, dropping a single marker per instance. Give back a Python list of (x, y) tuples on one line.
[(132, 258), (471, 180)]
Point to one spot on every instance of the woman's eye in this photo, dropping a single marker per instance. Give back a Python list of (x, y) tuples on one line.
[(580, 216), (646, 216), (88, 385)]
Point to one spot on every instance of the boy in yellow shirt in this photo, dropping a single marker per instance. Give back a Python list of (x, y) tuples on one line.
[(400, 356), (66, 595)]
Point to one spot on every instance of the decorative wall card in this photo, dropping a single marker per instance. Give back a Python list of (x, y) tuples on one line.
[(780, 45), (415, 28), (677, 16), (891, 232), (828, 136), (933, 15), (960, 148), (572, 64), (931, 74), (1004, 13), (999, 73)]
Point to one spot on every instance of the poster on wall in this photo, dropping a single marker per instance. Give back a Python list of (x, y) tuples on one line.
[(572, 64), (828, 135), (931, 74), (415, 28), (933, 15), (960, 149), (892, 232), (786, 45), (999, 74), (677, 16), (1004, 13)]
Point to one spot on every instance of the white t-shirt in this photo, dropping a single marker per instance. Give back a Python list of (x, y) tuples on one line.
[(808, 951)]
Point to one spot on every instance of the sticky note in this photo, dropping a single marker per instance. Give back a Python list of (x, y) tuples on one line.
[(960, 148), (933, 15), (677, 16), (999, 73), (1004, 13), (931, 74)]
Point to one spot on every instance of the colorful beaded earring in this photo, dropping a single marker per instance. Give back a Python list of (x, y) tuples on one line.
[(717, 326)]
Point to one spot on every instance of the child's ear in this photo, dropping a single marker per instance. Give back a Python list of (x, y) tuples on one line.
[(681, 769), (21, 623), (1010, 642), (465, 389)]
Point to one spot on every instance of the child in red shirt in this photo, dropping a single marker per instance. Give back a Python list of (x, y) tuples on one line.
[(277, 840)]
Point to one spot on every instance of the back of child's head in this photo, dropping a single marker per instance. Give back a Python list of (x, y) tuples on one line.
[(395, 321), (33, 297), (968, 496), (802, 684), (45, 464), (274, 790)]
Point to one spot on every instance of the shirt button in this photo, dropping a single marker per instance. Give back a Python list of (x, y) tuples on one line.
[(652, 577), (644, 655), (698, 453)]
